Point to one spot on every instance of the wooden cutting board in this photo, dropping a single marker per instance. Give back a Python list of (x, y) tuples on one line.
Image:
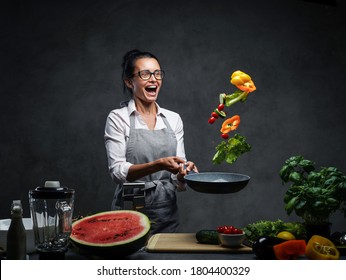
[(187, 243)]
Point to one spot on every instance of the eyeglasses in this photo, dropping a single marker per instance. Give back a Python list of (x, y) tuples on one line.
[(146, 74)]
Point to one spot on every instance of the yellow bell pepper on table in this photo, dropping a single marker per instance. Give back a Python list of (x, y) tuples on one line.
[(321, 248)]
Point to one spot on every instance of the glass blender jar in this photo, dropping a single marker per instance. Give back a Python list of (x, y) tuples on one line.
[(51, 209)]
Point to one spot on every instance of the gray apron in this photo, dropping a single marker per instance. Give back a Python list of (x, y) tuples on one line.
[(160, 194)]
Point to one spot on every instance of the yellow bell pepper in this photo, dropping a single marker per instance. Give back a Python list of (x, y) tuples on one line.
[(321, 248), (242, 81)]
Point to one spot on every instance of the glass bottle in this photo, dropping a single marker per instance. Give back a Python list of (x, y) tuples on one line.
[(16, 235)]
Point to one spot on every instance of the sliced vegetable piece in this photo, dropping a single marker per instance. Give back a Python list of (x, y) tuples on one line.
[(224, 135), (242, 81), (220, 107), (215, 115), (230, 124), (233, 98), (247, 87), (222, 114), (212, 120), (290, 249), (239, 77), (222, 98), (321, 248)]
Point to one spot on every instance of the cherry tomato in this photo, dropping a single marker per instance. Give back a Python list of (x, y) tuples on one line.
[(237, 231), (221, 107), (215, 115), (220, 229), (231, 228), (211, 120), (224, 135)]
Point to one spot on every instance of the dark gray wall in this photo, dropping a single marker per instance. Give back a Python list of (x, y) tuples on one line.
[(60, 77)]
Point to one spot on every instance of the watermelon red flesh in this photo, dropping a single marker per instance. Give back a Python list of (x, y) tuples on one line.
[(114, 232), (108, 228)]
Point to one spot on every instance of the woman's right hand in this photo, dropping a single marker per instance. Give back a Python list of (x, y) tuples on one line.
[(171, 164)]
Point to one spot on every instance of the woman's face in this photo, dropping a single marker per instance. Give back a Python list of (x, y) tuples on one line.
[(145, 90)]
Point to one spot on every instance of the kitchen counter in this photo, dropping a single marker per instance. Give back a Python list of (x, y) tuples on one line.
[(169, 246), (144, 255), (175, 246)]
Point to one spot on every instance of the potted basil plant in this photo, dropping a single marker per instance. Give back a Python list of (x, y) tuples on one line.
[(314, 195)]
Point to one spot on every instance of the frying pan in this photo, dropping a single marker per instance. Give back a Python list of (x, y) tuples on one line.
[(216, 182)]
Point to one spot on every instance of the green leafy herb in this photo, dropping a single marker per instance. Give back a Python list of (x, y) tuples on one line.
[(313, 195), (230, 150)]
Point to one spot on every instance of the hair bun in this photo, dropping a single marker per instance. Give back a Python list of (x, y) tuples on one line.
[(130, 54)]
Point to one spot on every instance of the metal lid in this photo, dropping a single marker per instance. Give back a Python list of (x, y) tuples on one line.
[(52, 189)]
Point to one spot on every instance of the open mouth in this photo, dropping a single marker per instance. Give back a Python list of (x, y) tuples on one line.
[(151, 89)]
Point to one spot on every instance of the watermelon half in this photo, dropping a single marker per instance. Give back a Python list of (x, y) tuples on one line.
[(111, 233)]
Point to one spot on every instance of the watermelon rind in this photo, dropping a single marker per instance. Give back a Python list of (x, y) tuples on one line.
[(111, 249)]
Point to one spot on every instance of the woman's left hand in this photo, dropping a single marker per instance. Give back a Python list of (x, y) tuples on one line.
[(184, 169)]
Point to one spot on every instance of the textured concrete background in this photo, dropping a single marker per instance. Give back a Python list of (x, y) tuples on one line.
[(60, 77)]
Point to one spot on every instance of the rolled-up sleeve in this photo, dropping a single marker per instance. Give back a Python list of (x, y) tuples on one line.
[(116, 134), (179, 134)]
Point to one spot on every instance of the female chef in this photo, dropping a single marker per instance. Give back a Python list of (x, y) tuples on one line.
[(145, 143)]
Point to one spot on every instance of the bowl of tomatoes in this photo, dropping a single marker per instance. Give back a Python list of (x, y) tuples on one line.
[(230, 236)]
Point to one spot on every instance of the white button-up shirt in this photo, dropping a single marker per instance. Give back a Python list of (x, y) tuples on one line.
[(117, 132)]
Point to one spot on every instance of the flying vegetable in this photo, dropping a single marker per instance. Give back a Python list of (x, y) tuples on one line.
[(226, 150)]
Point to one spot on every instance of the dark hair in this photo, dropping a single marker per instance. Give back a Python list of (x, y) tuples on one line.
[(128, 64)]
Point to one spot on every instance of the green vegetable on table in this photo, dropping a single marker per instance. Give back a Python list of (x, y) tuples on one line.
[(272, 228), (207, 236)]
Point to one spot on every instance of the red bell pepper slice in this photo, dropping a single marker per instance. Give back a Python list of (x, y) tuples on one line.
[(290, 250), (230, 124)]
